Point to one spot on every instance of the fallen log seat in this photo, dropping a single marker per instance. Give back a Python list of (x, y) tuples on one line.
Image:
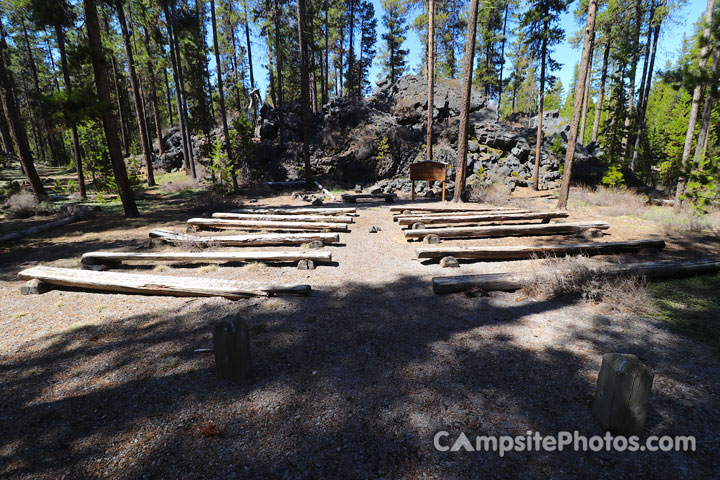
[(352, 197), (104, 258), (418, 216), (158, 284), (510, 281), (245, 240), (297, 211), (522, 252), (277, 226), (506, 230), (489, 217), (283, 218), (40, 228), (449, 209)]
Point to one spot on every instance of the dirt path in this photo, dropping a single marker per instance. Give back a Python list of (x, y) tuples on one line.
[(351, 382)]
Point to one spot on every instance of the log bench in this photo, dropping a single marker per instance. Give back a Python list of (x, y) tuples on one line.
[(266, 239), (158, 284), (488, 231), (524, 252), (114, 258), (353, 197)]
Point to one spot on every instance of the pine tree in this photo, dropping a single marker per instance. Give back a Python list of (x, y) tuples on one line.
[(92, 24), (394, 57), (14, 118), (584, 70), (541, 28)]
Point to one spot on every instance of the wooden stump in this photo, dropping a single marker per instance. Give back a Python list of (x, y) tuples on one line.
[(432, 239), (306, 265), (622, 392), (35, 287), (231, 341)]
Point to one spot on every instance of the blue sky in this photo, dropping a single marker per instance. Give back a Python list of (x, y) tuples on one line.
[(668, 46)]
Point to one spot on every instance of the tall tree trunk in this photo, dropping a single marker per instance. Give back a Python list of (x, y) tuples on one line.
[(643, 78), (351, 49), (279, 75), (502, 60), (181, 89), (694, 108), (153, 94), (538, 141), (5, 137), (703, 133), (326, 86), (178, 90), (430, 76), (234, 65), (460, 173), (139, 110), (221, 95), (588, 42), (249, 46), (118, 92), (109, 121), (60, 36), (633, 72), (169, 101), (601, 93), (304, 90), (14, 118), (45, 117), (642, 107), (586, 96)]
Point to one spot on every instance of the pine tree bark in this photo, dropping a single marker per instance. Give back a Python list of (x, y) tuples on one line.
[(430, 77), (135, 85), (694, 108), (15, 120), (539, 139), (221, 94), (304, 90), (601, 93), (5, 137), (60, 36), (460, 172), (586, 97), (579, 93), (109, 121), (168, 96), (703, 133)]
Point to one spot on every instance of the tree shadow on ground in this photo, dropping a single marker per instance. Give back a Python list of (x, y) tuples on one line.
[(348, 383)]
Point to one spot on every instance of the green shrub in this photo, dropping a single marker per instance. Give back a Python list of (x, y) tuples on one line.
[(613, 177)]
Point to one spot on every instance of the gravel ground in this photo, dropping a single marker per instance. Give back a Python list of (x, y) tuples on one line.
[(351, 382)]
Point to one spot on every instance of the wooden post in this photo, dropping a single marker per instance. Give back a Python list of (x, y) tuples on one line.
[(231, 340), (621, 396)]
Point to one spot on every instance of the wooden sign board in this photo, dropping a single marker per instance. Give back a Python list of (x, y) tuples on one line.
[(429, 171)]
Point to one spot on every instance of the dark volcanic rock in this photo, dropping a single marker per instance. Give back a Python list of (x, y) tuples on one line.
[(373, 141)]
